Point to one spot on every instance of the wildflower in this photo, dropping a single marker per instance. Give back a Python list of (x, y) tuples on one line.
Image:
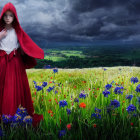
[(50, 111), (44, 84), (82, 105), (38, 88), (68, 111), (94, 125), (131, 108), (118, 90), (106, 92), (112, 82), (62, 133), (81, 95), (69, 126), (6, 118), (129, 97), (62, 103), (97, 110), (134, 80), (137, 88), (131, 124), (56, 91), (108, 86), (28, 120), (50, 88), (115, 103), (76, 100), (55, 70), (96, 115)]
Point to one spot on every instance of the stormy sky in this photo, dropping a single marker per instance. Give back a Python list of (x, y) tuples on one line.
[(79, 20)]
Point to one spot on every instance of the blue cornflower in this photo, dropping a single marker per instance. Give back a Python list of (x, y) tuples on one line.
[(50, 88), (137, 88), (105, 69), (115, 103), (108, 86), (38, 88), (28, 120), (68, 111), (62, 133), (96, 115), (34, 82), (106, 92), (6, 118), (134, 80), (55, 70), (16, 118), (112, 82), (76, 100), (129, 97), (22, 112), (82, 95), (131, 108), (62, 103), (56, 91), (118, 90), (44, 84), (97, 110)]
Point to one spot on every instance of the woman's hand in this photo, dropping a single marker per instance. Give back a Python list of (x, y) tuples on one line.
[(3, 33)]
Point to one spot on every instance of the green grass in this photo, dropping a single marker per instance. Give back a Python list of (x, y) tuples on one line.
[(70, 83)]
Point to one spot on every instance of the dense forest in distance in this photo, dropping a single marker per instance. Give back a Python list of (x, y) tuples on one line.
[(90, 56)]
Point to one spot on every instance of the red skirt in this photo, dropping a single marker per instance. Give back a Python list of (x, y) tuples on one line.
[(14, 86)]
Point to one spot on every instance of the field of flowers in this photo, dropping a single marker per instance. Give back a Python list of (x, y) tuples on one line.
[(101, 103)]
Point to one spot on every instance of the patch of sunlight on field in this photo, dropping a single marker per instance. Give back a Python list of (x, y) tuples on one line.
[(54, 58)]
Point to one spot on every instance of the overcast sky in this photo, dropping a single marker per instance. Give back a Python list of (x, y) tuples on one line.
[(79, 20)]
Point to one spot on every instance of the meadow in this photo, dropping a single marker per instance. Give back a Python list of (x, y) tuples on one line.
[(91, 103)]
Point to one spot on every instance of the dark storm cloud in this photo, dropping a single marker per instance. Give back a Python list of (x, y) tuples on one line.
[(68, 20)]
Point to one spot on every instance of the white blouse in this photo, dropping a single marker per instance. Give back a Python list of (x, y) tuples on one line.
[(10, 41)]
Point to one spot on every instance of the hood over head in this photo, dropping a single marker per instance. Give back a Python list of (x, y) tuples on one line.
[(29, 47)]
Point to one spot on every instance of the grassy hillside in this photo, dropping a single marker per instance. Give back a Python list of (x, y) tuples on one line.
[(79, 107)]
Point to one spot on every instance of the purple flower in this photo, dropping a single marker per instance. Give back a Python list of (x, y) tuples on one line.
[(97, 110), (118, 90), (76, 100), (68, 111), (108, 86), (96, 115), (129, 97), (134, 80), (131, 108), (137, 88), (62, 103), (38, 88), (55, 70), (44, 84), (106, 92), (62, 133), (115, 103), (82, 95), (50, 88)]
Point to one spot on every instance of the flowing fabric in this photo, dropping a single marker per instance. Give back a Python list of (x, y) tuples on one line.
[(14, 86)]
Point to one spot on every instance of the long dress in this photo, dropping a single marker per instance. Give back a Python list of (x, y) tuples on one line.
[(14, 86)]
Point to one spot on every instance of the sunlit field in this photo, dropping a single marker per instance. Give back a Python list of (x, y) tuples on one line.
[(101, 103)]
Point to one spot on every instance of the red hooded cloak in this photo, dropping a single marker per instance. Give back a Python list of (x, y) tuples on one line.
[(30, 49)]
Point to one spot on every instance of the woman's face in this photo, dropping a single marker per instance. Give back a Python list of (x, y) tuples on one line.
[(8, 17)]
